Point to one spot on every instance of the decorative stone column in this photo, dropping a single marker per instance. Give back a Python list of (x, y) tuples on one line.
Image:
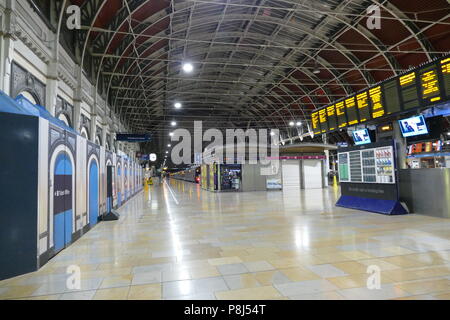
[(7, 23)]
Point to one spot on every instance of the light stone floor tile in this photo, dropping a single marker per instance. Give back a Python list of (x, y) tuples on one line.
[(247, 245), (305, 287), (241, 281), (81, 295), (260, 293), (230, 269), (327, 271), (257, 266), (387, 291)]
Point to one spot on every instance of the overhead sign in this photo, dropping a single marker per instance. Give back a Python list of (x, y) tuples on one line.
[(421, 88), (130, 137)]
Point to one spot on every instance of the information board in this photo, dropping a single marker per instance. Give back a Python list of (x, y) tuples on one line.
[(445, 71), (429, 85), (362, 101), (315, 122), (352, 111), (420, 88), (341, 115), (323, 120), (378, 109), (391, 98), (408, 91), (332, 120)]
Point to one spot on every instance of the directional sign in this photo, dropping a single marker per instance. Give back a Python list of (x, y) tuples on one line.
[(129, 137)]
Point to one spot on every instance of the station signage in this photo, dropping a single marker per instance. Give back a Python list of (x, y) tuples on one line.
[(130, 137), (421, 88)]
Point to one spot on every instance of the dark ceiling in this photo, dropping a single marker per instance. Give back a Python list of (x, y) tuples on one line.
[(253, 59)]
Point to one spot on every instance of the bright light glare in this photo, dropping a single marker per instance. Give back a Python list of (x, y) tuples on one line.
[(178, 105), (188, 67), (173, 123), (291, 123)]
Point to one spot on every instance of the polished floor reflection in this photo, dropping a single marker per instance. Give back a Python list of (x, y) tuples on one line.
[(177, 241)]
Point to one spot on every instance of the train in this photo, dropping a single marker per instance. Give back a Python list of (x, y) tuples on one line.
[(192, 174)]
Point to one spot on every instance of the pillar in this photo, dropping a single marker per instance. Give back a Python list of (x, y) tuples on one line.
[(7, 23), (401, 146)]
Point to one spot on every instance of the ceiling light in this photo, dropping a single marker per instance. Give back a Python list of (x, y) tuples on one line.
[(171, 134), (299, 123), (272, 133), (178, 105), (291, 123), (188, 67), (169, 145), (316, 68), (167, 151), (173, 123)]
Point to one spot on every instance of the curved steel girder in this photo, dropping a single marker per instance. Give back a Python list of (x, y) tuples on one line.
[(288, 66), (285, 89), (246, 17), (410, 26), (302, 90), (394, 45), (280, 74)]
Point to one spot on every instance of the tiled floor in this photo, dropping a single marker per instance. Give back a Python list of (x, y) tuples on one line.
[(179, 242)]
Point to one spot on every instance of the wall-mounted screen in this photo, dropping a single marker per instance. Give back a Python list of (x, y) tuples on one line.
[(413, 126), (361, 137)]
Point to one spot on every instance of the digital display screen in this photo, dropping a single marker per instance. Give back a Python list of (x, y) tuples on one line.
[(429, 85), (315, 122), (391, 98), (413, 126), (323, 120), (352, 111), (408, 89), (445, 69), (341, 116), (362, 101), (420, 88), (378, 109), (361, 137), (332, 121)]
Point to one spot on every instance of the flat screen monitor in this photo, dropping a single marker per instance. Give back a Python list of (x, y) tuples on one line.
[(361, 137), (414, 126)]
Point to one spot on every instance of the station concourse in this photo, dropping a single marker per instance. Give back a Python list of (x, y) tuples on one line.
[(224, 150)]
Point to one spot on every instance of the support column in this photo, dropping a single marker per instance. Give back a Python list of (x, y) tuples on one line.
[(7, 23), (52, 87), (77, 100), (401, 146)]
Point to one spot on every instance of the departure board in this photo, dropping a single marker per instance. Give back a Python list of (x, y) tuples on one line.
[(391, 98), (315, 122), (331, 115), (323, 120), (445, 70), (352, 111), (378, 109), (341, 116), (408, 90), (418, 89), (362, 101), (429, 85)]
